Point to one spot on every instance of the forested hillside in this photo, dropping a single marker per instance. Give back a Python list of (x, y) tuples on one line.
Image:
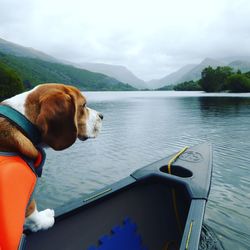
[(10, 82), (35, 71)]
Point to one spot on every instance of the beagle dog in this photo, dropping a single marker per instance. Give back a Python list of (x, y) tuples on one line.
[(61, 115)]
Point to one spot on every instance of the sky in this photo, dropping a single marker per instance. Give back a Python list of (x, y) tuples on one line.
[(152, 38)]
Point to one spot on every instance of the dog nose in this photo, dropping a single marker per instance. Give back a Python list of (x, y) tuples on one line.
[(100, 115)]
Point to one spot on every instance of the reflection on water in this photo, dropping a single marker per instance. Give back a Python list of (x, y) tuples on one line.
[(142, 127)]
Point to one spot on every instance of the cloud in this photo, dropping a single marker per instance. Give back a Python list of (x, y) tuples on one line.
[(151, 38)]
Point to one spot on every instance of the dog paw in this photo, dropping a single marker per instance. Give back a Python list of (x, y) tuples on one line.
[(40, 220)]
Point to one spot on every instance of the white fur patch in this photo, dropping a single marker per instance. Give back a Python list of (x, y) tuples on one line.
[(40, 220), (94, 123), (18, 101)]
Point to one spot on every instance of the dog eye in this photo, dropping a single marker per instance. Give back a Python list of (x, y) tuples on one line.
[(84, 105)]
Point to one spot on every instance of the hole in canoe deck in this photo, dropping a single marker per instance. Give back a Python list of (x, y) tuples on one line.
[(178, 171)]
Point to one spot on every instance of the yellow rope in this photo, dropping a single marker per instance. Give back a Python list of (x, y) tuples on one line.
[(172, 160), (173, 244)]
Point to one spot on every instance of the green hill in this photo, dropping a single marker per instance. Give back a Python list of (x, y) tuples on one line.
[(34, 71), (10, 82)]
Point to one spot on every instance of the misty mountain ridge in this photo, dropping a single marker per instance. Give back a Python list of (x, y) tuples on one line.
[(25, 61), (171, 78), (243, 66), (118, 72), (193, 72), (122, 74), (230, 59), (10, 48)]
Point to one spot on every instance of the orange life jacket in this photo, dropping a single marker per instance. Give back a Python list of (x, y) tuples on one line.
[(17, 182)]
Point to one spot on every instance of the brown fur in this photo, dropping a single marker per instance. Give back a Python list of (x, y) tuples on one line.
[(12, 140), (55, 109), (31, 208)]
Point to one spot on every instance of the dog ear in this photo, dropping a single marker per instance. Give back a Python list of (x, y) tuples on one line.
[(57, 121)]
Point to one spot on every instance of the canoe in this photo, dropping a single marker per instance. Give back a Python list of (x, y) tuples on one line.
[(158, 207)]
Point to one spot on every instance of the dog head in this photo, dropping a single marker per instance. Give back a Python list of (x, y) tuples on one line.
[(60, 112)]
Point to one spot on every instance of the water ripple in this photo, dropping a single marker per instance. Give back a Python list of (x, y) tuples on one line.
[(142, 127)]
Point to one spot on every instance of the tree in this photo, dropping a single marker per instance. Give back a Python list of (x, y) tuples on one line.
[(247, 74), (27, 84), (238, 83), (214, 80), (188, 86), (10, 82), (208, 80)]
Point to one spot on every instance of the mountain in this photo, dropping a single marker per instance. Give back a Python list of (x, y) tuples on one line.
[(171, 78), (195, 73), (230, 59), (7, 47), (186, 73), (120, 73), (243, 66), (36, 67), (33, 71)]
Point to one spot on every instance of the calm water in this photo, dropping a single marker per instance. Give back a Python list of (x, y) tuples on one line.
[(142, 127)]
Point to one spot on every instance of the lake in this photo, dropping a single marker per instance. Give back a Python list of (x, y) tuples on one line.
[(142, 127)]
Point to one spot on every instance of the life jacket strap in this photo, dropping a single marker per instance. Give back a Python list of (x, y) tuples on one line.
[(37, 165), (27, 127)]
